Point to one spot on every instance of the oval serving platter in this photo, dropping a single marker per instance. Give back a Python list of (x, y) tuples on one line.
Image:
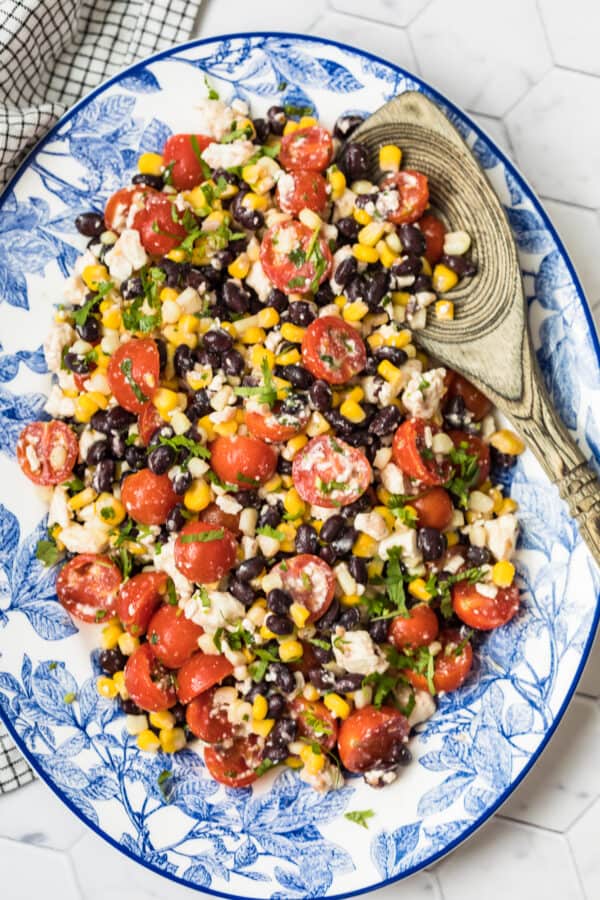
[(280, 839)]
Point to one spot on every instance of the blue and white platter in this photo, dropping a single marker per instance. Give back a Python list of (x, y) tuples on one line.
[(279, 839)]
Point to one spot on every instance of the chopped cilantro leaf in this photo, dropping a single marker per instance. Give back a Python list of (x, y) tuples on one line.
[(202, 537), (359, 816), (126, 369), (268, 531), (48, 553)]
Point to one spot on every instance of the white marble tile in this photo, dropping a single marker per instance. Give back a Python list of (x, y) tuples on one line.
[(507, 860), (383, 40), (573, 30), (580, 231), (33, 815), (567, 780), (557, 139), (226, 16), (583, 839), (394, 12), (422, 886), (483, 56), (28, 872)]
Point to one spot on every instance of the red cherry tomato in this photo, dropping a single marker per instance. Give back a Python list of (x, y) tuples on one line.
[(244, 461), (149, 420), (159, 233), (184, 150), (201, 672), (172, 637), (434, 509), (476, 402), (329, 472), (485, 613), (418, 629), (148, 683), (204, 553), (315, 722), (434, 232), (47, 452), (450, 670), (309, 581), (306, 148), (333, 349), (474, 446), (302, 190), (148, 498), (292, 260), (370, 738), (276, 426), (411, 454), (138, 598), (217, 518), (118, 206), (133, 373), (414, 195), (87, 586), (206, 721), (234, 766)]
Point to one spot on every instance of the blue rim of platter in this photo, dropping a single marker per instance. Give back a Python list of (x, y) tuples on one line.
[(530, 194)]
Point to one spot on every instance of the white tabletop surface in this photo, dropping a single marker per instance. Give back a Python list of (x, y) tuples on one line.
[(529, 73)]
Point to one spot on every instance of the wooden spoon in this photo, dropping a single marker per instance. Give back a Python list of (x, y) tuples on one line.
[(488, 340)]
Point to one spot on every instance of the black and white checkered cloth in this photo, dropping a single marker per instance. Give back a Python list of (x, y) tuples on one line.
[(51, 53)]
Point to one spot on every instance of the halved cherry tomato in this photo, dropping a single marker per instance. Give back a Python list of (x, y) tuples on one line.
[(172, 637), (434, 508), (306, 148), (315, 722), (473, 446), (411, 454), (413, 188), (371, 738), (149, 421), (434, 231), (138, 598), (159, 232), (87, 586), (485, 613), (133, 373), (47, 452), (292, 259), (184, 150), (201, 672), (148, 498), (118, 206), (450, 669), (276, 426), (309, 581), (333, 349), (204, 553), (234, 766), (245, 461), (206, 721), (329, 472), (417, 629), (148, 683), (476, 402), (301, 190), (218, 518)]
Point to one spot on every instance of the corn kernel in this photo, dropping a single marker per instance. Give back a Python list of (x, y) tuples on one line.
[(189, 323), (268, 317), (317, 425), (314, 762), (299, 614), (444, 310), (375, 340), (389, 371), (292, 333), (390, 158), (93, 275), (260, 355), (353, 412), (443, 279), (365, 254), (354, 312), (337, 182), (119, 680), (307, 122), (293, 504), (128, 643), (418, 590), (310, 692), (290, 649), (295, 444), (148, 741), (508, 506), (255, 201), (497, 497), (350, 599), (177, 255), (451, 538), (253, 335), (503, 573), (506, 441), (293, 762), (260, 708), (106, 687), (262, 727), (425, 266), (337, 705), (163, 719), (150, 164), (240, 267), (273, 484), (375, 568), (112, 319), (365, 546), (387, 257), (172, 739), (208, 427), (165, 401), (109, 509), (85, 408), (310, 218), (370, 234), (361, 216), (341, 301), (388, 516), (110, 636), (83, 498), (198, 496), (266, 633), (288, 359)]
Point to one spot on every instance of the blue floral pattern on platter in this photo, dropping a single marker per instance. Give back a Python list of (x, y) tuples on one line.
[(279, 839)]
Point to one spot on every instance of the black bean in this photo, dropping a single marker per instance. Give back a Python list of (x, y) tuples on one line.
[(455, 412), (164, 431), (181, 482), (344, 542), (135, 457), (348, 228), (358, 569), (99, 422), (350, 618), (279, 624), (351, 681), (385, 421), (132, 288), (396, 355), (369, 498), (370, 367), (206, 358), (232, 362), (120, 419), (90, 331), (229, 177), (378, 285), (283, 733), (401, 755), (328, 555), (178, 711), (175, 520), (276, 118), (183, 360), (343, 426), (345, 125), (279, 601), (356, 288), (250, 568), (241, 591), (478, 556), (197, 278), (502, 461), (261, 127), (222, 258), (78, 364), (332, 527), (320, 395), (346, 270), (284, 466), (354, 161), (378, 630), (248, 499), (90, 224), (277, 706), (301, 313), (199, 405), (256, 690), (118, 445), (307, 540), (297, 375), (322, 679), (217, 340), (161, 459), (252, 219), (324, 295), (97, 451), (431, 542), (463, 267), (270, 515), (104, 475), (112, 661), (326, 622), (422, 283), (153, 181), (130, 708), (412, 238), (235, 297), (282, 677)]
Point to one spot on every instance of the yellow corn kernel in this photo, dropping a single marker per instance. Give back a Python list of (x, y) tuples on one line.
[(402, 339), (354, 312), (390, 158), (383, 495), (266, 633), (508, 506), (310, 692), (299, 614), (370, 234), (444, 309), (165, 401), (260, 707), (353, 411), (119, 680), (451, 538), (198, 496), (262, 727), (273, 484), (150, 164), (350, 599), (389, 371), (314, 762), (172, 739), (307, 121), (128, 643), (197, 198), (292, 333), (189, 323), (506, 441), (290, 649), (375, 340), (443, 279), (294, 504), (260, 355), (148, 741), (400, 298), (387, 257), (254, 201), (290, 358), (387, 515), (337, 182), (268, 317), (106, 687), (317, 425), (293, 762), (208, 426), (240, 267), (375, 568), (503, 573), (418, 590), (361, 216), (83, 498), (112, 318), (110, 636), (341, 301), (357, 394), (425, 266), (423, 359), (337, 705), (85, 408), (93, 275), (162, 719), (253, 335), (177, 255), (109, 509), (295, 444), (497, 497), (365, 546), (365, 254), (288, 543)]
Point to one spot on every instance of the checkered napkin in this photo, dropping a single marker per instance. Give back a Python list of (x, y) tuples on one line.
[(51, 53)]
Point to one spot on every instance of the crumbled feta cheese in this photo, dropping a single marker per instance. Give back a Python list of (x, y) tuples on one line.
[(222, 609), (423, 393), (60, 336), (344, 205), (88, 538), (249, 547), (406, 541), (189, 301), (75, 290), (257, 280), (486, 590), (345, 580), (59, 512), (382, 457), (379, 777), (268, 546), (388, 201), (126, 255), (226, 156), (248, 519), (392, 479), (165, 562), (453, 564), (229, 504), (372, 524), (58, 406), (501, 535), (214, 117), (356, 652)]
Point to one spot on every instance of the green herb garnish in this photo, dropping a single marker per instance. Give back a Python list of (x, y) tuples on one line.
[(202, 537), (359, 816), (126, 369), (266, 393)]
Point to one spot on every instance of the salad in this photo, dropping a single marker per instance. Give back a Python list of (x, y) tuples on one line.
[(277, 510)]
